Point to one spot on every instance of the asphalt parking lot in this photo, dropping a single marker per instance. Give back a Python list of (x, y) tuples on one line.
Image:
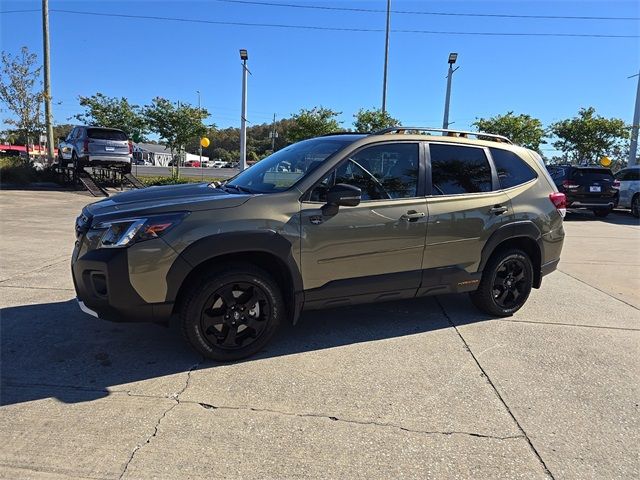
[(422, 389)]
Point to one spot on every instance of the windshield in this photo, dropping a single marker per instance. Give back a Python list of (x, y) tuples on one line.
[(280, 171)]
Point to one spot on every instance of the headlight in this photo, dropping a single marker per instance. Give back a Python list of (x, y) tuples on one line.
[(124, 232)]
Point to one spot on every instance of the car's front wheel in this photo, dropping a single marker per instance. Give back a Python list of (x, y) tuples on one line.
[(232, 313), (506, 283)]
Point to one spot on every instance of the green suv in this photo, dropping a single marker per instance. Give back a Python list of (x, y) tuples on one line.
[(335, 220)]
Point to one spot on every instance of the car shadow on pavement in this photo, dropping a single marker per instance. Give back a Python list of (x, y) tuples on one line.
[(54, 350)]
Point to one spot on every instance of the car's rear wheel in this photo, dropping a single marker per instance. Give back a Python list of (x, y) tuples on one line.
[(602, 212), (75, 161), (506, 283), (635, 206), (232, 313)]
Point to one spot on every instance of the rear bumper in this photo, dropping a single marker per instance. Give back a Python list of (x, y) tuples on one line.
[(598, 203), (101, 280), (108, 159)]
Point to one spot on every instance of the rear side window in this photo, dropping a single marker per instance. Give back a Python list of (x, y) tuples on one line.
[(457, 170), (106, 134), (631, 175), (588, 175), (512, 170)]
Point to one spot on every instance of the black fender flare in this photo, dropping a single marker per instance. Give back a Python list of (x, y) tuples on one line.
[(519, 229), (217, 245)]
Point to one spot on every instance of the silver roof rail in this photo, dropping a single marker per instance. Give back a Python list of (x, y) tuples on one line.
[(444, 131)]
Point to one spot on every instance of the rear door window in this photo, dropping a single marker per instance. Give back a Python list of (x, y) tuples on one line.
[(590, 175), (457, 169), (512, 170), (106, 134)]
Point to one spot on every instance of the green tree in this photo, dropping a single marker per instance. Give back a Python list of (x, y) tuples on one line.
[(176, 124), (312, 123), (21, 92), (588, 137), (373, 120), (114, 112), (520, 129)]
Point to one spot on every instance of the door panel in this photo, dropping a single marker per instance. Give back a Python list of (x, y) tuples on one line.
[(374, 238), (459, 227)]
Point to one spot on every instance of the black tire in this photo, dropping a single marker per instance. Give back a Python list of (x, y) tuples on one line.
[(62, 163), (635, 206), (601, 212), (75, 161), (126, 169), (496, 280), (227, 338)]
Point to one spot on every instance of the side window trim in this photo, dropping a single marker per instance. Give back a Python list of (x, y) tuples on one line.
[(421, 190), (495, 183)]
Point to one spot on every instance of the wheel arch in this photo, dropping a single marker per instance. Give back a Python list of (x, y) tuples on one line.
[(523, 235), (264, 249)]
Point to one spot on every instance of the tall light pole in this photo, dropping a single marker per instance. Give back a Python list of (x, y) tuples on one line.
[(386, 59), (47, 81), (452, 59), (199, 113), (633, 150), (244, 56)]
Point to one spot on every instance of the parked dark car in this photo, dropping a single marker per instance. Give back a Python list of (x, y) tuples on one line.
[(592, 188)]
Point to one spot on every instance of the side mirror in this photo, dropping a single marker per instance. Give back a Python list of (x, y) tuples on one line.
[(341, 195)]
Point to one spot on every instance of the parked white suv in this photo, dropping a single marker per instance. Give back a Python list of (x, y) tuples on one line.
[(629, 196)]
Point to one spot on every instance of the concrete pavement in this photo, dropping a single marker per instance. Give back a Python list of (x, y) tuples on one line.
[(421, 389)]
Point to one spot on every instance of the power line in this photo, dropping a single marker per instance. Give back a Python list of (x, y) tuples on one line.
[(338, 29), (410, 12)]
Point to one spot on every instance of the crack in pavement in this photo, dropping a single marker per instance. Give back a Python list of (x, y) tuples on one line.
[(495, 390), (175, 397), (626, 329), (207, 406), (356, 422), (60, 471), (596, 288), (60, 260)]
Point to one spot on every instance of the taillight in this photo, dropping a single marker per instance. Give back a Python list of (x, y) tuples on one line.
[(569, 184), (85, 147), (130, 147), (559, 201), (616, 184)]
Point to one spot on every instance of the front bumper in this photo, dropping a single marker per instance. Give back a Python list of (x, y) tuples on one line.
[(101, 280)]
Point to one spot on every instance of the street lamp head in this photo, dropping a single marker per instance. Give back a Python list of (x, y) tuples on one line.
[(452, 58), (243, 54)]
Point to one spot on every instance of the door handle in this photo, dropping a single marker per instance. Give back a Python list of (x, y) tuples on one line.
[(412, 216), (498, 209)]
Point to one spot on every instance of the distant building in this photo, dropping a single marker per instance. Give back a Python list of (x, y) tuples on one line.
[(159, 155), (156, 154)]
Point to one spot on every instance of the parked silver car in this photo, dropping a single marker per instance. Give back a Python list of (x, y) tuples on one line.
[(629, 196), (96, 146)]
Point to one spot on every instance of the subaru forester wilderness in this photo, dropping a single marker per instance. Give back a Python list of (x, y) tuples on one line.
[(335, 220)]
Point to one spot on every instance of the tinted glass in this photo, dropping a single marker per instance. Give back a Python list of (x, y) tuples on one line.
[(381, 172), (628, 175), (512, 170), (281, 170), (588, 175), (106, 134), (456, 169)]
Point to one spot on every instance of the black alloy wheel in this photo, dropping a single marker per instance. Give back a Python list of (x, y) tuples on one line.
[(232, 312), (635, 206), (235, 315), (509, 283), (506, 283)]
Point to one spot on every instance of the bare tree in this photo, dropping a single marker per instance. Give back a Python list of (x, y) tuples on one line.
[(22, 93)]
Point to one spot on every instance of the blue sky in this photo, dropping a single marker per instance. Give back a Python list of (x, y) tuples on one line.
[(547, 77)]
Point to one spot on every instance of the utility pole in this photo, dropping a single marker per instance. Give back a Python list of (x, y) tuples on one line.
[(273, 134), (244, 56), (633, 150), (199, 110), (452, 59), (386, 59), (47, 81)]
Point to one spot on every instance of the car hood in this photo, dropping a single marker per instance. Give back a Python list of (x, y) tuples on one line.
[(187, 197)]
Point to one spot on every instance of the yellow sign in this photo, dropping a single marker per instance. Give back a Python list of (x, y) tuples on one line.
[(605, 161), (204, 141)]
